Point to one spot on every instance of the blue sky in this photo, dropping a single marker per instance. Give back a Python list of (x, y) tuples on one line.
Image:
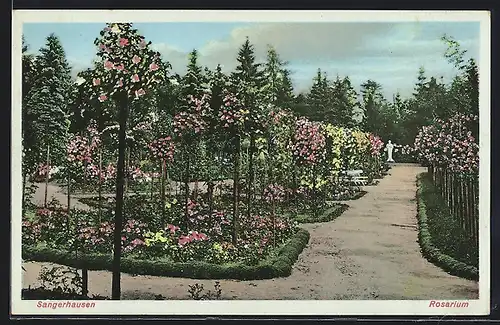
[(389, 53)]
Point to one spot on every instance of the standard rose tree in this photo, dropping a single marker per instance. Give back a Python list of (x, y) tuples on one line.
[(126, 68), (125, 65)]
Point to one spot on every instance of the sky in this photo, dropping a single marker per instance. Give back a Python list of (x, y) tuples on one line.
[(389, 53)]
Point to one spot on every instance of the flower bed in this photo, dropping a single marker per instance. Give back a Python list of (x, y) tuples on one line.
[(279, 265), (168, 236)]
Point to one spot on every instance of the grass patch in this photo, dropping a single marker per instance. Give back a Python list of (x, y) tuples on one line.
[(328, 215), (273, 267), (443, 242)]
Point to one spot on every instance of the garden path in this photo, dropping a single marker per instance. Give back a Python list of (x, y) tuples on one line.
[(369, 252)]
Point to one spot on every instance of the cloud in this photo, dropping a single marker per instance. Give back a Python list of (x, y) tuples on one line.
[(297, 42), (78, 65), (177, 58), (388, 53)]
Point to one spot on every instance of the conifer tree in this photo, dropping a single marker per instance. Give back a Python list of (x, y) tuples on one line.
[(248, 80), (30, 159), (373, 102), (318, 97), (194, 81), (285, 94), (48, 103)]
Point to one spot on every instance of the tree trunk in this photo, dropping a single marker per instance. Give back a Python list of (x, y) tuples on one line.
[(162, 190), (250, 176), (85, 281), (127, 171), (210, 194), (236, 181), (196, 181), (168, 183), (100, 185), (273, 216), (295, 189), (120, 182), (24, 192), (314, 194), (68, 203), (186, 187), (152, 185), (47, 177)]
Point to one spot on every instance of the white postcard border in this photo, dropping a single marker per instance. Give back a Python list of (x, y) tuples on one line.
[(254, 307)]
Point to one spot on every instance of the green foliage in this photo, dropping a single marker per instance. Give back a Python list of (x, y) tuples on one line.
[(442, 240)]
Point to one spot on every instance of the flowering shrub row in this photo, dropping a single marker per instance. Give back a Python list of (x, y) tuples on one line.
[(449, 144)]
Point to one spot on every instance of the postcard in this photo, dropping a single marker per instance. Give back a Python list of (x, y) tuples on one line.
[(249, 163)]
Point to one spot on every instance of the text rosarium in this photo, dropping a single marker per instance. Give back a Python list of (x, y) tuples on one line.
[(65, 304), (449, 304)]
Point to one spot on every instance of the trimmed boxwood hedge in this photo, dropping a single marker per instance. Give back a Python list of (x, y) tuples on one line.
[(329, 215), (45, 294), (356, 196), (432, 253), (279, 266)]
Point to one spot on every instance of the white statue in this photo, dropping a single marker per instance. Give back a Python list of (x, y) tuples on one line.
[(389, 147)]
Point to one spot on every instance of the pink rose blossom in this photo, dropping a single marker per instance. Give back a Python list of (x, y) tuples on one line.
[(108, 65), (153, 67), (139, 92), (123, 42), (136, 59)]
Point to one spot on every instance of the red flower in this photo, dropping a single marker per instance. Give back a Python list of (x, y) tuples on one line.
[(135, 78), (120, 67), (103, 98), (96, 82), (183, 240), (123, 42)]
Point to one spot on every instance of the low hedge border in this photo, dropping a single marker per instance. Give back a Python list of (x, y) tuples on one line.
[(45, 294), (356, 196), (278, 266), (329, 215), (431, 252)]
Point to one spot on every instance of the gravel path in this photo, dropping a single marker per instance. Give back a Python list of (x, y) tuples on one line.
[(369, 252)]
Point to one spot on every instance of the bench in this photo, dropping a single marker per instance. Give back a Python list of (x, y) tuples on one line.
[(354, 177)]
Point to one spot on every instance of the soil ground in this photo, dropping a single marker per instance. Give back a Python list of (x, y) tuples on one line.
[(369, 252)]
